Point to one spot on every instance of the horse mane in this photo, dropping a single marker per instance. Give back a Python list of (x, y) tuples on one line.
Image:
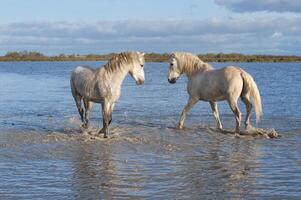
[(120, 60), (189, 63)]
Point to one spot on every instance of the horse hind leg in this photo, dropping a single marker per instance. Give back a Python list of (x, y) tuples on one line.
[(88, 108), (77, 99), (237, 113), (247, 102)]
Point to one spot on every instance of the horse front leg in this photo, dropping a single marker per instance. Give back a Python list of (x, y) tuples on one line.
[(216, 114), (111, 112), (107, 118), (191, 102), (110, 117)]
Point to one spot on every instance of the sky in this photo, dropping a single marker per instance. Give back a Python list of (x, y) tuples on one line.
[(198, 26)]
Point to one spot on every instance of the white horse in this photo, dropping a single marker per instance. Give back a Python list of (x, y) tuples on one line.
[(103, 85), (212, 85)]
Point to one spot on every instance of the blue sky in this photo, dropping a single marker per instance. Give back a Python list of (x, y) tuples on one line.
[(97, 10), (199, 26)]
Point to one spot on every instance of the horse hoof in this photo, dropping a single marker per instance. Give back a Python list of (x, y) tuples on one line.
[(101, 131), (248, 127), (180, 127), (220, 129), (236, 135), (105, 136)]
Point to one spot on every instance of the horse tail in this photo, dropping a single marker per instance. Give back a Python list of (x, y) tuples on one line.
[(249, 86)]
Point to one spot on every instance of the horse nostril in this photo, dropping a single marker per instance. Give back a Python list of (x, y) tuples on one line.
[(173, 80)]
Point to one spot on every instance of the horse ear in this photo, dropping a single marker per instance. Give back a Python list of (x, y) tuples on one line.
[(140, 53), (205, 65)]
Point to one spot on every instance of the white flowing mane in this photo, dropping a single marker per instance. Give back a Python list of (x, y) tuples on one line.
[(189, 63), (120, 60)]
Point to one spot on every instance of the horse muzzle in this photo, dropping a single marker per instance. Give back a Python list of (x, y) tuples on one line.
[(172, 80), (140, 82)]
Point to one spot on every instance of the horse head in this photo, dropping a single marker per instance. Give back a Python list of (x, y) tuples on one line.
[(174, 71), (137, 69)]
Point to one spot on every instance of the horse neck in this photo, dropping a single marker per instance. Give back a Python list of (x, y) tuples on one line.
[(118, 75)]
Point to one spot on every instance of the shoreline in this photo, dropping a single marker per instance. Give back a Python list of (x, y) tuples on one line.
[(149, 57)]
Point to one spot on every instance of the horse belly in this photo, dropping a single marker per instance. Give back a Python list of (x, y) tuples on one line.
[(87, 92), (220, 98), (96, 100), (213, 92), (212, 97)]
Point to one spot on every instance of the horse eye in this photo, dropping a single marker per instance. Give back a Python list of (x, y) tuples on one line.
[(142, 65), (171, 64)]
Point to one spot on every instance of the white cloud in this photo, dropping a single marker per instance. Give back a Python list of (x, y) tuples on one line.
[(277, 35), (242, 35), (261, 5)]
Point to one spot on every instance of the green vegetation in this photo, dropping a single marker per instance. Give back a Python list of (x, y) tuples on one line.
[(150, 57), (235, 57)]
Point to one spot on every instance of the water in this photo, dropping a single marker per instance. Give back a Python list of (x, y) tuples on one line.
[(44, 155)]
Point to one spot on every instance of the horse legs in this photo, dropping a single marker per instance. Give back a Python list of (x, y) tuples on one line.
[(237, 113), (216, 115), (110, 118), (88, 108), (246, 100), (191, 102), (78, 99), (111, 112), (107, 117)]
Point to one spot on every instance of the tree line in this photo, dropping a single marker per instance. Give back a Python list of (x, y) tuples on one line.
[(150, 57)]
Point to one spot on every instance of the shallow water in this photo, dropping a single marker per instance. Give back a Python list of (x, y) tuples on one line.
[(44, 154)]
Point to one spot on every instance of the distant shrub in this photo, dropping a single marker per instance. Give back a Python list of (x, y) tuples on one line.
[(149, 57)]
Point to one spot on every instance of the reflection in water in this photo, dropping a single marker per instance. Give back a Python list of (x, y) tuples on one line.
[(93, 171), (222, 169), (146, 161), (211, 165)]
